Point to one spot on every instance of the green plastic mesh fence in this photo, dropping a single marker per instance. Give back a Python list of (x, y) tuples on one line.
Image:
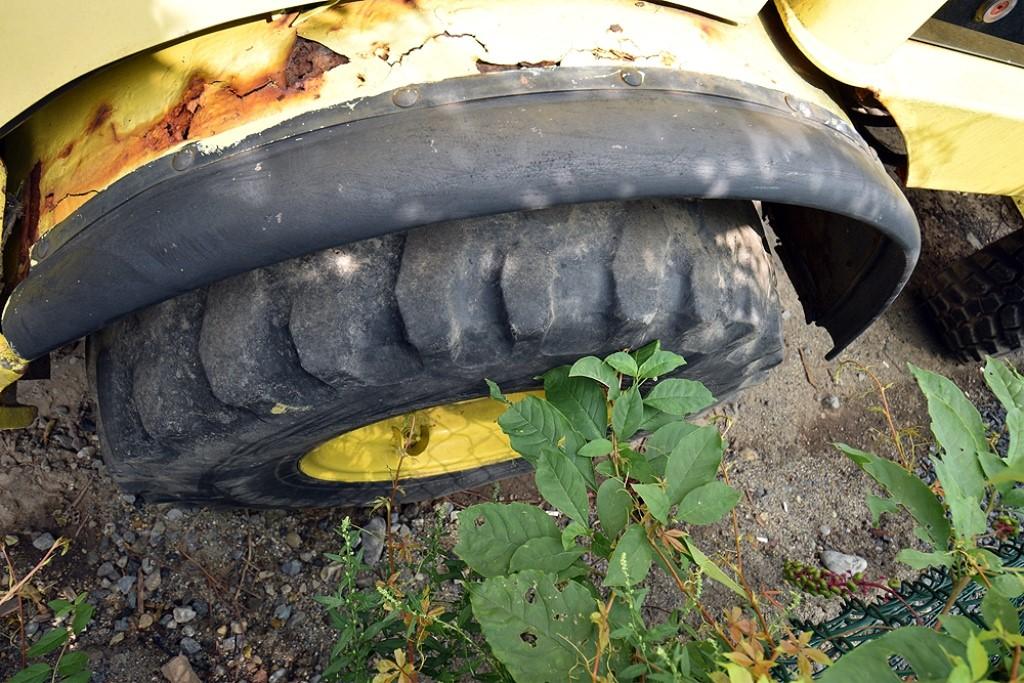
[(860, 621)]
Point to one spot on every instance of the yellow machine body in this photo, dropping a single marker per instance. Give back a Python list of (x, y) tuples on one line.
[(96, 90)]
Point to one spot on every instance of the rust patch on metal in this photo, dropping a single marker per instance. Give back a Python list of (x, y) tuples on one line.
[(308, 60), (25, 235), (204, 108), (485, 67), (174, 126), (99, 118)]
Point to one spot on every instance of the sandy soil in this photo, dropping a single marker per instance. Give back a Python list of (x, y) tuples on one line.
[(250, 577)]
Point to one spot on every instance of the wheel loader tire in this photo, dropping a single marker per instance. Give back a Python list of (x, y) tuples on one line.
[(215, 396), (978, 302)]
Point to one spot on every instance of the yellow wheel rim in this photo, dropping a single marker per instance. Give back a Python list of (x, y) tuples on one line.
[(440, 440)]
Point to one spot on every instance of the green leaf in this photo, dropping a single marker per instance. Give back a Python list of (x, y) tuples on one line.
[(627, 413), (545, 554), (72, 662), (580, 400), (490, 533), (645, 352), (977, 658), (919, 560), (597, 370), (693, 462), (637, 466), (622, 362), (665, 438), (679, 397), (1006, 383), (631, 560), (879, 506), (51, 640), (656, 499), (957, 427), (562, 485), (1013, 498), (993, 466), (533, 424), (59, 607), (539, 632), (596, 448), (495, 392), (1015, 452), (965, 511), (959, 627), (997, 608), (83, 615), (708, 503), (80, 677), (571, 532), (928, 653), (613, 506), (660, 363), (712, 570), (1009, 585), (36, 673), (907, 490)]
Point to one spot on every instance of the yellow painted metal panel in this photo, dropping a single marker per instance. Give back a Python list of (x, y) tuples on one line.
[(962, 116), (446, 439), (221, 86), (44, 45), (863, 31), (739, 11)]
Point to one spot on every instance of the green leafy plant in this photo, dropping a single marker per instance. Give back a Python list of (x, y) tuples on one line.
[(71, 617), (973, 500), (566, 602)]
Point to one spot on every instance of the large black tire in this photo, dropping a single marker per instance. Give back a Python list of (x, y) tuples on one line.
[(978, 302), (362, 332)]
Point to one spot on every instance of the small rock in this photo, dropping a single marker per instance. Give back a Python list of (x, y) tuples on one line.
[(831, 402), (373, 540), (179, 670), (120, 625), (292, 539), (283, 611), (291, 568), (174, 515), (88, 453), (749, 454), (201, 607), (152, 582), (106, 571), (188, 630), (126, 497), (118, 637), (147, 566), (64, 410), (43, 541), (824, 530), (190, 646), (841, 563), (145, 621), (126, 584), (183, 615), (277, 676)]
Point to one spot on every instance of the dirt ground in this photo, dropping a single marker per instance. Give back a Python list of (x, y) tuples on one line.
[(243, 581)]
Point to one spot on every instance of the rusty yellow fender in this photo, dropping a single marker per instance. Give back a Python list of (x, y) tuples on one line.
[(962, 116), (226, 84)]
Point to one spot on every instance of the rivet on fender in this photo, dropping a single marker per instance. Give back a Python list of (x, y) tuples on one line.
[(183, 159), (405, 97), (633, 77)]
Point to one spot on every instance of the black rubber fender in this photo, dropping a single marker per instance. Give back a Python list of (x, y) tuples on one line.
[(462, 148)]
